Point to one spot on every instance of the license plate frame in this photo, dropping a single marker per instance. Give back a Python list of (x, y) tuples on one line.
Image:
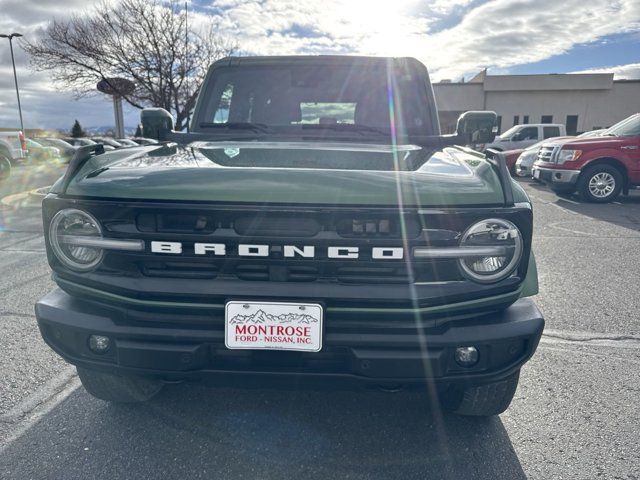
[(253, 325)]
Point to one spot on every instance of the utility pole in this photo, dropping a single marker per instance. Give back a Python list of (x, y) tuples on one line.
[(15, 76), (186, 58)]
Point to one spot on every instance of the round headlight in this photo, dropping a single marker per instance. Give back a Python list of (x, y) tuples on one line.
[(67, 228), (492, 232)]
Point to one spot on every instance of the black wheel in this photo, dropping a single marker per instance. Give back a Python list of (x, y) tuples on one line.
[(5, 168), (116, 388), (484, 400), (600, 183)]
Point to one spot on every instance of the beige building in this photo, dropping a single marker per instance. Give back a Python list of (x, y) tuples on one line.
[(580, 101)]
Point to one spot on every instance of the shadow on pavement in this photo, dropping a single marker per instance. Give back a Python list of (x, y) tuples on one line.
[(624, 213), (198, 432)]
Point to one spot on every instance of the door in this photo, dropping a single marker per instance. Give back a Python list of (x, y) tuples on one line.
[(525, 137), (631, 149)]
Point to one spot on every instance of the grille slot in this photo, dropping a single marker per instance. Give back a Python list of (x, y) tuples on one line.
[(175, 223), (179, 270), (270, 226), (546, 154), (252, 272), (372, 275)]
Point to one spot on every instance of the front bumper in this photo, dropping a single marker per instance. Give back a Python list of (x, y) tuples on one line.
[(555, 176), (355, 353)]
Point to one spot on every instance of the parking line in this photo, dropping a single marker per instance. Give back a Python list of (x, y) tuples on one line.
[(22, 416), (568, 201)]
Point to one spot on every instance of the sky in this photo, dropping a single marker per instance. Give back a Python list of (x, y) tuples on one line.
[(454, 38)]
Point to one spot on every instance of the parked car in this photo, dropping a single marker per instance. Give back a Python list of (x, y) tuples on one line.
[(79, 141), (106, 141), (529, 155), (67, 151), (511, 156), (599, 168), (127, 142), (523, 136), (41, 153), (315, 268), (144, 141), (83, 142), (13, 146)]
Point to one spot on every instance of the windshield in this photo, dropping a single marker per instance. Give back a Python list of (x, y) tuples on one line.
[(536, 146), (629, 127), (294, 98), (509, 132), (592, 133)]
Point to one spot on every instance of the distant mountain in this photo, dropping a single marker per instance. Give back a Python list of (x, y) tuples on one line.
[(261, 317), (109, 129)]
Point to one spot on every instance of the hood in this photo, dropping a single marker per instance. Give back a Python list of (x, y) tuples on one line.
[(589, 142), (292, 173)]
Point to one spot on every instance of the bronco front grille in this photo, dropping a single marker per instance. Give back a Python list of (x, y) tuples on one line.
[(276, 227)]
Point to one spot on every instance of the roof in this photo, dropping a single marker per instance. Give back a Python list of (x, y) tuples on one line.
[(543, 81), (313, 60)]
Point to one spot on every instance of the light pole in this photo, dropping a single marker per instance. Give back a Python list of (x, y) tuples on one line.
[(15, 76)]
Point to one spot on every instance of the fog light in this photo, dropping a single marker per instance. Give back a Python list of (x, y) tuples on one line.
[(99, 343), (466, 356)]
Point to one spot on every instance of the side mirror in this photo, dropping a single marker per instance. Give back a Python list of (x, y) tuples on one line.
[(477, 126), (157, 123)]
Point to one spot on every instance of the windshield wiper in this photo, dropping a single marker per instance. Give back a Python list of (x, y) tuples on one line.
[(254, 127)]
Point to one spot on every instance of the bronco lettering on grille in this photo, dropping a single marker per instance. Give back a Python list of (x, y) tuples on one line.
[(288, 251)]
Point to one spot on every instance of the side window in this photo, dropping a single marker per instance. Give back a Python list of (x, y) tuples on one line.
[(528, 133), (221, 114), (549, 132)]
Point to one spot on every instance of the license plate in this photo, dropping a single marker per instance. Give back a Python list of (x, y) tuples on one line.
[(536, 173), (273, 326)]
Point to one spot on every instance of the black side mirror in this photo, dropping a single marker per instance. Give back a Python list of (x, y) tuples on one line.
[(157, 123), (477, 126)]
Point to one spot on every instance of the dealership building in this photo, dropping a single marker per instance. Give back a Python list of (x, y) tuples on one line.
[(582, 102)]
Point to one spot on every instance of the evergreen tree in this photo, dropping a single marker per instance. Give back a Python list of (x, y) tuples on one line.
[(77, 131), (138, 131)]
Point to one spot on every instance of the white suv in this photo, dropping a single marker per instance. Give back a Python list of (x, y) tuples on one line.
[(523, 136)]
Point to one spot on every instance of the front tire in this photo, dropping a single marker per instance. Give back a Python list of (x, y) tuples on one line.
[(600, 184), (118, 389), (486, 400)]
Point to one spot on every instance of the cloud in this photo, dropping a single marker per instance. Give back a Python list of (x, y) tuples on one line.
[(630, 71), (494, 34)]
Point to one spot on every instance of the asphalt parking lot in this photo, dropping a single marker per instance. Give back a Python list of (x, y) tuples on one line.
[(575, 415)]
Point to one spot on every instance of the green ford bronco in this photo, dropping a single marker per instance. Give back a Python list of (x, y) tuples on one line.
[(313, 228)]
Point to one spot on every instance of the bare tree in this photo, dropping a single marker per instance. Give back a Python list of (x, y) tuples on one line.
[(146, 41)]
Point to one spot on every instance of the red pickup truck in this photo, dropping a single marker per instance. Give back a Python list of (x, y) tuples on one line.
[(598, 168)]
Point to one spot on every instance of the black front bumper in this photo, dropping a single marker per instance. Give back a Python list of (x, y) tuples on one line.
[(355, 353)]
